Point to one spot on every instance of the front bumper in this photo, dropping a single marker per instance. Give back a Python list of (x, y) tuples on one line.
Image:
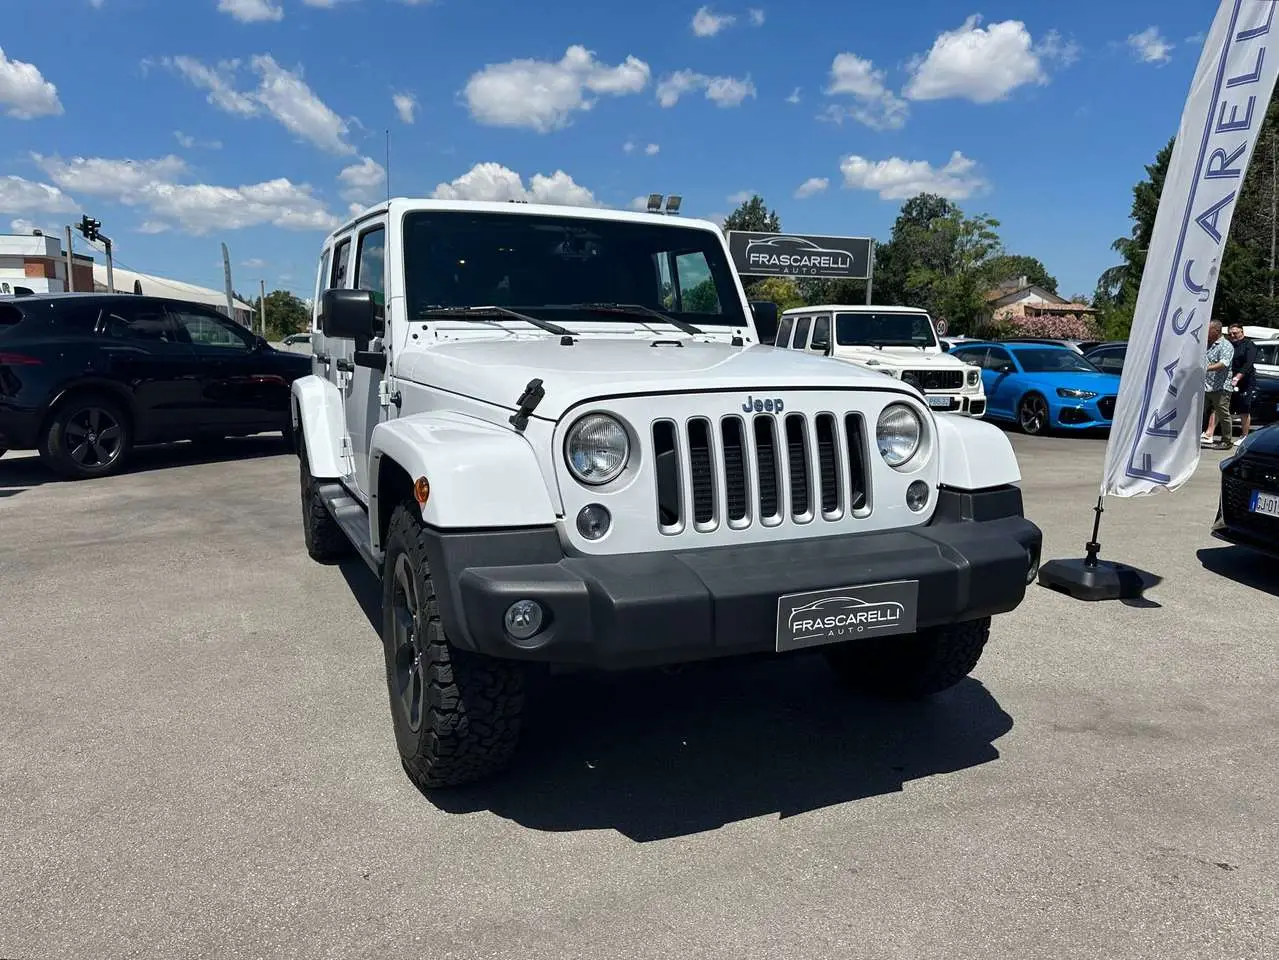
[(974, 560), (1082, 414), (1235, 523), (964, 404), (19, 426)]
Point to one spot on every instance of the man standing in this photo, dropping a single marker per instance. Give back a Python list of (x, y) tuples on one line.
[(1217, 386), (1243, 376)]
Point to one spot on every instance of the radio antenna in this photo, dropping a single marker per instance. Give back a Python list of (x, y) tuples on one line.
[(388, 163)]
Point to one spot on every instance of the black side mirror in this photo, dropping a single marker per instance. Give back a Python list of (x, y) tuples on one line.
[(1007, 368), (349, 315), (819, 345), (260, 343), (766, 317)]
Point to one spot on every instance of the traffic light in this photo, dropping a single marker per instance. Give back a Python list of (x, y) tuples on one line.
[(89, 228)]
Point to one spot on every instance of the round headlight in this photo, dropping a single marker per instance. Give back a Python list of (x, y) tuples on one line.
[(898, 434), (974, 377), (597, 449)]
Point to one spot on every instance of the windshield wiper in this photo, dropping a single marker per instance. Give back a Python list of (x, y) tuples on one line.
[(480, 313), (637, 308)]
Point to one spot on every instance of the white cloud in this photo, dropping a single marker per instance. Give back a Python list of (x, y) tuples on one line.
[(722, 91), (281, 94), (639, 203), (740, 197), (897, 179), (405, 106), (492, 181), (652, 149), (707, 23), (355, 208), (811, 187), (152, 186), (24, 92), (1057, 49), (757, 16), (21, 226), (186, 141), (253, 263), (26, 196), (363, 181), (1150, 46), (97, 4), (628, 146), (977, 63), (252, 11), (794, 95), (542, 95), (873, 104)]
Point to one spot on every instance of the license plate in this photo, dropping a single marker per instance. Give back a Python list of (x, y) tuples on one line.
[(847, 613), (1266, 504), (941, 403)]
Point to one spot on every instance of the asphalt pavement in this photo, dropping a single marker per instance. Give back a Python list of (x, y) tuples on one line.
[(196, 759)]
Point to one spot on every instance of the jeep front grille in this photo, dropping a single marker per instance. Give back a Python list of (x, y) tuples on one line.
[(770, 470)]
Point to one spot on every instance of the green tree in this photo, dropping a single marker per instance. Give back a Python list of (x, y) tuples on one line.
[(1006, 266), (782, 291), (285, 314), (753, 215)]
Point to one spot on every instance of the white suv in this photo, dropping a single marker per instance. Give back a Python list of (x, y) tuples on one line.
[(554, 436), (897, 341)]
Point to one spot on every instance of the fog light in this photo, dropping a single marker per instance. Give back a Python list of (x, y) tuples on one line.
[(593, 521), (523, 619), (917, 496)]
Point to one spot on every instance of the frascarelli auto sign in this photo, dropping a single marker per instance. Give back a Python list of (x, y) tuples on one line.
[(793, 255)]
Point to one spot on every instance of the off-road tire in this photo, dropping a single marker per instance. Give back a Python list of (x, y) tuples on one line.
[(467, 706), (925, 663), (325, 541), (58, 443)]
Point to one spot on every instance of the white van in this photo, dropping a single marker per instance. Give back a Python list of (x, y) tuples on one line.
[(898, 341)]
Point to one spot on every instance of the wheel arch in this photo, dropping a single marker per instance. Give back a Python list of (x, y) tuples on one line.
[(319, 419), (92, 387)]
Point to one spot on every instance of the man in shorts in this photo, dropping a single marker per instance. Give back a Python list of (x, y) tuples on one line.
[(1217, 386)]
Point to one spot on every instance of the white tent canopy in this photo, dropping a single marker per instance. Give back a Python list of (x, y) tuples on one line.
[(125, 281)]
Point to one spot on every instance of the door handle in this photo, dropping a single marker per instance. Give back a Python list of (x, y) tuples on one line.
[(345, 366)]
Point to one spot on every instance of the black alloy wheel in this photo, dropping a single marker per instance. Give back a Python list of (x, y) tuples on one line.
[(93, 438), (408, 669), (1032, 414)]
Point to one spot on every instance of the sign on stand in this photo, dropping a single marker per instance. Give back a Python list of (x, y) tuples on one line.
[(793, 255)]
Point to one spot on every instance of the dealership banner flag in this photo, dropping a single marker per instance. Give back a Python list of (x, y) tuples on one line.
[(1154, 440)]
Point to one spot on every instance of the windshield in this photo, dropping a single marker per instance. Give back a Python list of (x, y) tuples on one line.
[(1054, 360), (564, 265), (884, 330)]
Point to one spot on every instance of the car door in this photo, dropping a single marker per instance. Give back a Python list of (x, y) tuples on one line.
[(140, 347), (363, 407), (1000, 380), (242, 393)]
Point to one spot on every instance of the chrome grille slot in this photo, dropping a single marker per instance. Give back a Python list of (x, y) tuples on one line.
[(737, 490), (700, 465), (666, 465), (798, 468), (767, 468), (855, 436), (827, 464)]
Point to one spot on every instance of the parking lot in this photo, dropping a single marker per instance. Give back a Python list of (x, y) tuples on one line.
[(198, 760)]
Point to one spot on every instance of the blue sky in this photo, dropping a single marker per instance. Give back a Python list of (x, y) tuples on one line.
[(183, 123)]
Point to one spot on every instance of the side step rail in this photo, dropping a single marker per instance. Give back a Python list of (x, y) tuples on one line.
[(353, 519)]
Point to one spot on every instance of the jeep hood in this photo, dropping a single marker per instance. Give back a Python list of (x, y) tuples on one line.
[(498, 370)]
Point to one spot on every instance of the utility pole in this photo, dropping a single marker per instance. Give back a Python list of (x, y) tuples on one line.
[(70, 261), (230, 293), (870, 274), (262, 304)]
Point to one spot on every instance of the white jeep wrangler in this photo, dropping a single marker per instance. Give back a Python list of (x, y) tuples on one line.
[(897, 341), (554, 435)]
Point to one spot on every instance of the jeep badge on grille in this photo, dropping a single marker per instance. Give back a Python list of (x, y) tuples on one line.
[(763, 406)]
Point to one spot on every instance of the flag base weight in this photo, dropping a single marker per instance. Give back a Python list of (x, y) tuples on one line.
[(1092, 579)]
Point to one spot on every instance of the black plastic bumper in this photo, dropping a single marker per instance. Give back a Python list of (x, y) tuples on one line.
[(972, 561)]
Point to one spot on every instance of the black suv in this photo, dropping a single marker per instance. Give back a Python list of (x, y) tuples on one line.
[(83, 377)]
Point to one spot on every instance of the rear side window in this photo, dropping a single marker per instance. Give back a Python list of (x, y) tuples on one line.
[(801, 333), (76, 318), (140, 322), (9, 316), (783, 332)]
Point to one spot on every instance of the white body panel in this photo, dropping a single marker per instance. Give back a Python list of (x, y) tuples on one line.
[(455, 385)]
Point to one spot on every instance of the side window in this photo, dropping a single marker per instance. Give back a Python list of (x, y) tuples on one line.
[(142, 322), (821, 335), (322, 281), (801, 333), (997, 358), (210, 331), (665, 284), (1268, 353), (76, 319), (370, 272), (697, 286), (341, 254), (783, 332)]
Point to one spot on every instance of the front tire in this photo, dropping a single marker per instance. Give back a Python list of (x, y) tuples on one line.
[(925, 663), (89, 436), (456, 714), (1033, 416), (325, 541)]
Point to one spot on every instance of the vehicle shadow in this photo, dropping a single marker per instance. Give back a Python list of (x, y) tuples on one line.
[(1244, 566), (656, 755), (18, 474)]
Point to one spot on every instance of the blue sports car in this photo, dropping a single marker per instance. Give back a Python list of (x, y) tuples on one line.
[(1041, 387)]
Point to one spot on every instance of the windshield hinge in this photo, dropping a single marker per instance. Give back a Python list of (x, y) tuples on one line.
[(527, 403)]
